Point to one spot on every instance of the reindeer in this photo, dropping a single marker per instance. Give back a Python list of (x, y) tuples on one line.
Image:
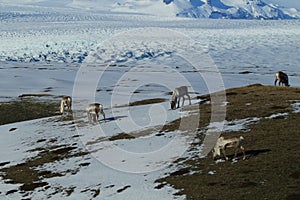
[(222, 144), (66, 102), (282, 78), (178, 93), (93, 112)]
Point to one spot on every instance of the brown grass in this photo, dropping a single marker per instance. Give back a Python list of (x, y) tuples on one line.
[(271, 170), (27, 109), (26, 173)]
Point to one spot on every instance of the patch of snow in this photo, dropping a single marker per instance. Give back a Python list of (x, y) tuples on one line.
[(224, 104), (211, 172), (234, 161), (228, 126), (296, 107), (220, 161), (273, 116), (21, 144)]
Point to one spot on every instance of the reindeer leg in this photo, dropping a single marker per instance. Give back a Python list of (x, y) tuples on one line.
[(182, 101), (223, 151), (103, 114), (243, 149), (189, 98), (212, 154), (89, 116), (178, 102), (97, 116), (235, 152), (70, 105), (62, 107), (93, 116)]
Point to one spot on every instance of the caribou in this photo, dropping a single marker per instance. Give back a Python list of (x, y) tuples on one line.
[(178, 93), (65, 103), (93, 111), (222, 144), (282, 78)]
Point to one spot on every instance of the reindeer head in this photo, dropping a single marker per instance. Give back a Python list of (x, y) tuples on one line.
[(173, 103), (216, 150)]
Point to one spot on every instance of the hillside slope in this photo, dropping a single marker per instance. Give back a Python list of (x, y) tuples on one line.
[(271, 168)]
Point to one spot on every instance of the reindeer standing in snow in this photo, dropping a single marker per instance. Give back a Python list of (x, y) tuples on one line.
[(282, 78), (178, 93), (66, 102), (93, 112)]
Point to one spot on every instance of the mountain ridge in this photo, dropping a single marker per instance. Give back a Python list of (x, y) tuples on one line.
[(235, 9), (217, 9)]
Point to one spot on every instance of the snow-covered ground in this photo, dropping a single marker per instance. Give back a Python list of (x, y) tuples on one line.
[(52, 49), (88, 173), (117, 59)]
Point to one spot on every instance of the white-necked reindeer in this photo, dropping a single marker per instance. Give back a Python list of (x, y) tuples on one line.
[(282, 78), (222, 144), (66, 102), (93, 112), (178, 93)]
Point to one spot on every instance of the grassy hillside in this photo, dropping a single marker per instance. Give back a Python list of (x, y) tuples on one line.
[(272, 167), (271, 170)]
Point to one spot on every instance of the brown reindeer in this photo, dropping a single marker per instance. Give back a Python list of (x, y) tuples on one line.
[(66, 102), (222, 144), (93, 112), (282, 78)]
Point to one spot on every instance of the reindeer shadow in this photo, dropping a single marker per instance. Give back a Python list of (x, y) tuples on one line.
[(109, 119), (250, 153), (253, 153)]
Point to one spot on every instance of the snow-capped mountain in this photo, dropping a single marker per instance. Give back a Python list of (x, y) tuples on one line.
[(236, 9), (229, 9)]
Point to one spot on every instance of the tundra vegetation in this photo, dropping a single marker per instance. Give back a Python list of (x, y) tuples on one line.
[(270, 171)]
